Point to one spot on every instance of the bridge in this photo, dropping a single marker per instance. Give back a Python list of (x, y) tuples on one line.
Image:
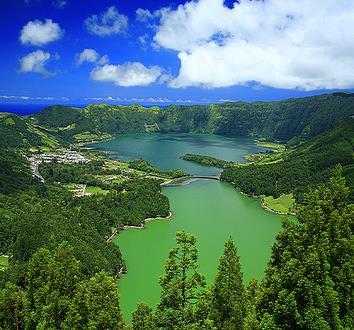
[(210, 177), (178, 181)]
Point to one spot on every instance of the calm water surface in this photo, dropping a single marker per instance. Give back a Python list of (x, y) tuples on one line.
[(165, 150), (211, 210)]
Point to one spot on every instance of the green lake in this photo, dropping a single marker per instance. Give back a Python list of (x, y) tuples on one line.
[(211, 210)]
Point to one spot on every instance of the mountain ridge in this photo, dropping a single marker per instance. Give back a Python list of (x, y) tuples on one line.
[(292, 120)]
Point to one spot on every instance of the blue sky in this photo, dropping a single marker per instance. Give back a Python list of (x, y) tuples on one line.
[(75, 51)]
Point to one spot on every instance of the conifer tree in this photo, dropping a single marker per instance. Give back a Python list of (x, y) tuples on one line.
[(97, 304), (180, 284), (143, 318), (310, 277), (228, 305)]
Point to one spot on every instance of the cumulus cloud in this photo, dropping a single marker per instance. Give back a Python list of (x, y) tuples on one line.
[(87, 55), (35, 62), (127, 75), (90, 55), (144, 15), (143, 39), (25, 98), (59, 3), (107, 23), (283, 44), (40, 33), (134, 99)]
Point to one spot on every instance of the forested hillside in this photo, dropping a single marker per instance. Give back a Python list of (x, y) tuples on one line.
[(308, 164), (15, 174), (19, 132), (297, 119)]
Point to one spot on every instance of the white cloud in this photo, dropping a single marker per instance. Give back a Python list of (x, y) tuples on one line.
[(103, 60), (87, 55), (135, 99), (35, 62), (90, 55), (128, 74), (25, 98), (107, 23), (143, 15), (40, 33), (143, 39), (283, 44), (59, 3)]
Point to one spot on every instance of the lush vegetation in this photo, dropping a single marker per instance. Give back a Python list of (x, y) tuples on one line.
[(4, 262), (45, 216), (306, 165), (56, 294), (125, 203), (19, 132), (145, 166), (73, 173), (283, 204), (293, 119), (15, 174), (207, 160)]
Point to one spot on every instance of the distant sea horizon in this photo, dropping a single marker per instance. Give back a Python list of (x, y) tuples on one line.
[(25, 109)]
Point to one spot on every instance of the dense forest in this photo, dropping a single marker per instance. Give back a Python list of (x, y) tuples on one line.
[(206, 160), (308, 164), (145, 166)]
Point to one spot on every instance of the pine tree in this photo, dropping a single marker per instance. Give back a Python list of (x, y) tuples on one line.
[(228, 305), (53, 279), (13, 307), (309, 280), (143, 318), (180, 284), (97, 304)]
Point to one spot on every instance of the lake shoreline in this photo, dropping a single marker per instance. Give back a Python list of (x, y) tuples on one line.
[(146, 220), (262, 202)]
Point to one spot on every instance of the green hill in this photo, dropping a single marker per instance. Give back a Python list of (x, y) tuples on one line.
[(291, 120), (15, 174), (308, 164), (20, 132)]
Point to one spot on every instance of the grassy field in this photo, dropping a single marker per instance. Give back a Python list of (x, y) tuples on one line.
[(87, 137), (71, 186), (95, 190), (112, 165), (4, 262), (281, 204), (271, 145), (119, 180)]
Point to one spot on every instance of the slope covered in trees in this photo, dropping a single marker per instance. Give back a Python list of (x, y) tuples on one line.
[(297, 119), (15, 174), (19, 132), (308, 164)]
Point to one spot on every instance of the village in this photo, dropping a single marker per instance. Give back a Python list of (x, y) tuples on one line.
[(69, 157)]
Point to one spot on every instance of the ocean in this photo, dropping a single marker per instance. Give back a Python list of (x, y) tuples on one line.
[(24, 109)]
